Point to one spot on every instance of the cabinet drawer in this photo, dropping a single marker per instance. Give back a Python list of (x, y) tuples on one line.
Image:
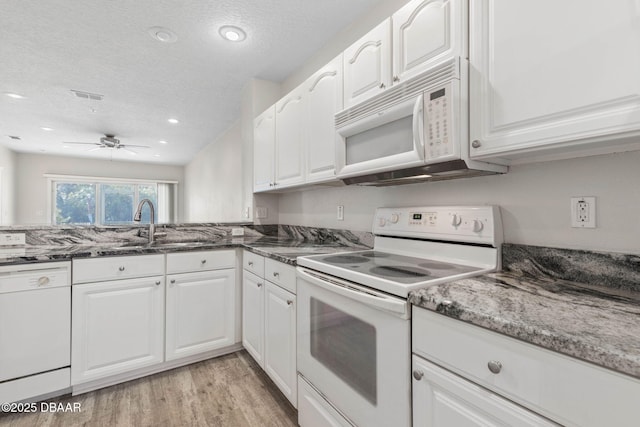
[(281, 274), (113, 268), (253, 263), (187, 262), (564, 389)]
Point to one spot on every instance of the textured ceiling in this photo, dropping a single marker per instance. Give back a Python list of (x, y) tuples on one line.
[(50, 47)]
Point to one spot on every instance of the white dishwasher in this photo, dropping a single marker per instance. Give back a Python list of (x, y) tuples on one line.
[(35, 330)]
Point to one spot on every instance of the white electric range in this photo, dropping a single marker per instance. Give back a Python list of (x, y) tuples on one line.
[(354, 351)]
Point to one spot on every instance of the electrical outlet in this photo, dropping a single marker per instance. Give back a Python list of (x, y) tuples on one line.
[(247, 212), (12, 239), (261, 212), (340, 213), (583, 212)]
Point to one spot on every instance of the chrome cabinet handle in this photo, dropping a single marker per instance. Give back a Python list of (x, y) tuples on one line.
[(43, 281), (203, 261), (396, 78), (476, 144), (276, 274), (494, 366), (417, 374), (250, 263), (173, 281), (259, 285), (158, 282), (121, 268), (382, 85), (289, 302)]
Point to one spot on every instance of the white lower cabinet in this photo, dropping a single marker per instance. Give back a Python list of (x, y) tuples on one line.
[(464, 375), (200, 313), (269, 321), (253, 316), (442, 399), (117, 326), (280, 339)]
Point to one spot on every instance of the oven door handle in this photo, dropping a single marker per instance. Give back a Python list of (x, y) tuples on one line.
[(397, 306)]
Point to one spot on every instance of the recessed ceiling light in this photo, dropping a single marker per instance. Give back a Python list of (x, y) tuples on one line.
[(46, 128), (162, 34), (156, 155), (14, 95), (173, 121), (162, 142), (66, 146), (233, 34)]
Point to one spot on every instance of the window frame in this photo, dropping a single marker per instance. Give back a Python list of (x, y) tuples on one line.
[(52, 180)]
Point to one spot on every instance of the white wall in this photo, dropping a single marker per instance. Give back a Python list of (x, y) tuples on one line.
[(534, 199), (214, 181), (7, 186), (31, 185)]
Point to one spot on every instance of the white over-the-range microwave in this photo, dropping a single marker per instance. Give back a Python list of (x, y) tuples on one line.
[(415, 131)]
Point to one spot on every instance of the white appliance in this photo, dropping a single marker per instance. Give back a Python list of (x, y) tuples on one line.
[(415, 131), (35, 330), (354, 350)]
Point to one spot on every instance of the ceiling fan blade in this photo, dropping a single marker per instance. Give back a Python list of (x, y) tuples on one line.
[(83, 143), (96, 148), (127, 150), (137, 146)]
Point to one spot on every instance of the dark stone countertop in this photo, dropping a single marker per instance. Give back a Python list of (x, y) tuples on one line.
[(531, 300)]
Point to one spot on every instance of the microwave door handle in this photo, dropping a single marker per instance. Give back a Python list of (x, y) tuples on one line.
[(418, 126), (337, 286)]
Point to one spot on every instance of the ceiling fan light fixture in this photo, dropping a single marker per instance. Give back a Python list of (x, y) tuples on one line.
[(232, 33)]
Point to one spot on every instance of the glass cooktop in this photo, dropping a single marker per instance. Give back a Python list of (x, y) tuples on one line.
[(396, 268)]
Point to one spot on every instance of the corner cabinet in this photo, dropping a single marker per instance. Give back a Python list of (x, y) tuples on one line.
[(367, 65), (552, 78), (269, 319), (264, 145), (200, 302)]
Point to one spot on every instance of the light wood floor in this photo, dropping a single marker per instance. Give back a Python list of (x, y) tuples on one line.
[(230, 390)]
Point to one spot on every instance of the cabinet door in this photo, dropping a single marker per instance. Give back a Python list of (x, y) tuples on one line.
[(367, 65), (441, 399), (264, 140), (558, 76), (117, 327), (253, 316), (200, 314), (280, 340), (324, 99), (290, 139), (426, 32)]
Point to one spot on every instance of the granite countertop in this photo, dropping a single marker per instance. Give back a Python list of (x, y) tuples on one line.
[(283, 249), (595, 323)]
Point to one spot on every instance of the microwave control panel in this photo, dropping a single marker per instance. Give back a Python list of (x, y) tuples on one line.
[(439, 122)]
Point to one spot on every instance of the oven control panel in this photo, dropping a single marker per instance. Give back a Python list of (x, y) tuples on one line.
[(473, 224)]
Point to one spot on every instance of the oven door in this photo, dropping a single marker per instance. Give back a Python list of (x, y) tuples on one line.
[(354, 347)]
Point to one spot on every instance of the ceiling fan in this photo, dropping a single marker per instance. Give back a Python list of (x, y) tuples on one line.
[(110, 141)]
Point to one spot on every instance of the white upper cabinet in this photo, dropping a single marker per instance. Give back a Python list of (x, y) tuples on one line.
[(289, 139), (555, 76), (264, 139), (426, 32), (367, 65), (323, 91)]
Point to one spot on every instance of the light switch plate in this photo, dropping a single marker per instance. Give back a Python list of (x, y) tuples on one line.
[(261, 212)]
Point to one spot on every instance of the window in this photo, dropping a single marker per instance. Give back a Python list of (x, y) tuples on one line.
[(102, 201)]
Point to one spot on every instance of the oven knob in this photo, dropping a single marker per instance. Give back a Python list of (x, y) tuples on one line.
[(456, 220), (477, 226), (381, 222), (395, 218)]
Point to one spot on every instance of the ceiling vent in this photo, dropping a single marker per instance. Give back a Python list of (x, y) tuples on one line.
[(87, 95), (15, 138)]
